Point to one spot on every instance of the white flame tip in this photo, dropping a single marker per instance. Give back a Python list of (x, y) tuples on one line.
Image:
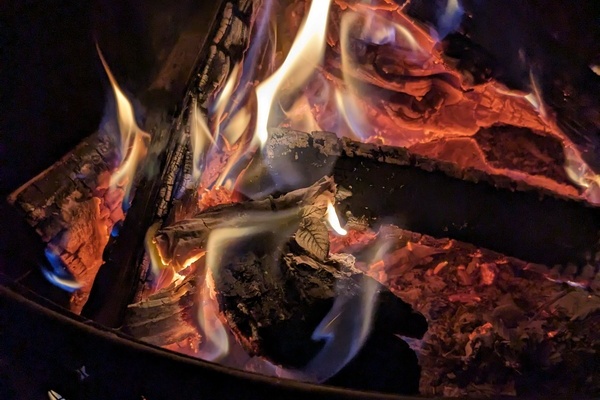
[(334, 221)]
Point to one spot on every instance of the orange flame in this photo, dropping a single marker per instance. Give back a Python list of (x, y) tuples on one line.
[(133, 140), (304, 56), (334, 221), (200, 137)]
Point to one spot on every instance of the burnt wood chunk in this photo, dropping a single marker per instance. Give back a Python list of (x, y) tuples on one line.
[(72, 208), (432, 197), (273, 290)]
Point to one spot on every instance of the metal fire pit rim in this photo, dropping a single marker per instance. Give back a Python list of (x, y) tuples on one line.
[(88, 332)]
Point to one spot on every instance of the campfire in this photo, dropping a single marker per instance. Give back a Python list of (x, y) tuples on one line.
[(351, 194)]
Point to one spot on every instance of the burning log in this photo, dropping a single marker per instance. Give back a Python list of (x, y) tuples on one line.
[(562, 79), (125, 260), (423, 195), (497, 325), (72, 208), (274, 294)]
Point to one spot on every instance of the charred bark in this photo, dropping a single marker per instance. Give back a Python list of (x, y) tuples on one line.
[(124, 258)]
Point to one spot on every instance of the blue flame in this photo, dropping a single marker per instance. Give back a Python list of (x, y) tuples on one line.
[(58, 274), (449, 20), (344, 329)]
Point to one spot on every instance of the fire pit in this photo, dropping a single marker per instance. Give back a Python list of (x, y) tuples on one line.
[(370, 195)]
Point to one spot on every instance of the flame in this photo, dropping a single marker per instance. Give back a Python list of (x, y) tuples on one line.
[(231, 127), (450, 19), (347, 325), (346, 102), (576, 168), (156, 263), (535, 97), (333, 220), (58, 274), (133, 140), (579, 172), (216, 344), (304, 56), (345, 329), (200, 137), (377, 30)]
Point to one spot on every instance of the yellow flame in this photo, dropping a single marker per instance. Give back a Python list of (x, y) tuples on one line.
[(200, 137), (156, 262), (237, 125), (227, 91), (304, 56), (134, 141), (579, 172), (535, 97), (346, 102), (334, 221), (300, 116)]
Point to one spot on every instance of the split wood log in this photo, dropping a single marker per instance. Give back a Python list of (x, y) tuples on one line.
[(73, 209), (423, 195)]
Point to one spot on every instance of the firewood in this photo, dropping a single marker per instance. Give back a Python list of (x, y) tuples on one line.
[(424, 195), (273, 292), (125, 264), (497, 325), (72, 208), (556, 69)]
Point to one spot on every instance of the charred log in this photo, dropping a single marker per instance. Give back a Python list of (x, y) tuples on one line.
[(73, 209), (497, 325), (124, 256), (273, 293), (422, 194), (124, 253), (530, 51)]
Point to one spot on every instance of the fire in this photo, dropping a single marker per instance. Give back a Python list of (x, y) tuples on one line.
[(334, 221), (133, 140), (200, 137), (223, 127), (58, 274), (304, 56), (580, 173)]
